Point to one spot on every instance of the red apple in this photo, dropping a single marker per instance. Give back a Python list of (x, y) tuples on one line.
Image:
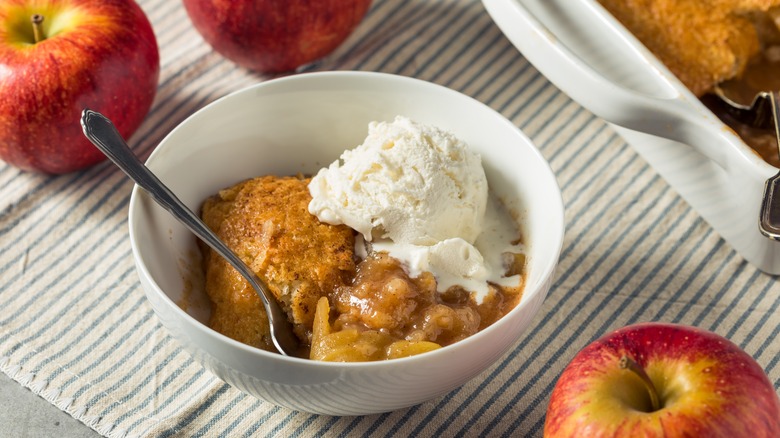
[(275, 35), (675, 381), (100, 54)]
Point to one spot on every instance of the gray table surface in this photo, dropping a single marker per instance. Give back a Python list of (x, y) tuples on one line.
[(26, 415)]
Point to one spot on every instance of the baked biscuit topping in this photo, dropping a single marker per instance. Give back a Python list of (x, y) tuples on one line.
[(265, 221)]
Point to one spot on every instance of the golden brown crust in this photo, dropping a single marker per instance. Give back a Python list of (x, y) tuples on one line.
[(266, 222), (703, 42)]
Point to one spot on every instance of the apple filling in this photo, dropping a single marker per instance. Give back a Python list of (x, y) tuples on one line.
[(398, 316)]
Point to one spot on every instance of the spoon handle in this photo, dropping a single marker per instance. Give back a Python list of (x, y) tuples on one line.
[(103, 134)]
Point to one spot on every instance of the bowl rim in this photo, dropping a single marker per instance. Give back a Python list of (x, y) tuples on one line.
[(544, 278)]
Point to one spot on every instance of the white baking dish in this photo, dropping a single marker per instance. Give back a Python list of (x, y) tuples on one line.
[(591, 57)]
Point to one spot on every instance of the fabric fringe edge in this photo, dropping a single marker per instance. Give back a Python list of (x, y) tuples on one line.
[(40, 387)]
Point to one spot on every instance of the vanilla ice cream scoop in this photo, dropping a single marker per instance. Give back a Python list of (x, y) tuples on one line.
[(408, 182)]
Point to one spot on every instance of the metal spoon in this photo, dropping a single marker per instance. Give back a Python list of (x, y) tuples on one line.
[(102, 133), (763, 112)]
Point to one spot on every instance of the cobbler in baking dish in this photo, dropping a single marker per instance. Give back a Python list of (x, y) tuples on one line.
[(733, 44)]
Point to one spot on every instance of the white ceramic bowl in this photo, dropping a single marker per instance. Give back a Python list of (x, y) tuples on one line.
[(299, 124), (590, 56)]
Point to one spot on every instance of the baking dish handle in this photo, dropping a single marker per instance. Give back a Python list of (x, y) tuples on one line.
[(676, 118)]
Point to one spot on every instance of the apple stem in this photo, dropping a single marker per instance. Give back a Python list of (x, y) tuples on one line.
[(630, 364), (37, 21)]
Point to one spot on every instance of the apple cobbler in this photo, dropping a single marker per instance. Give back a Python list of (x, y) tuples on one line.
[(347, 305)]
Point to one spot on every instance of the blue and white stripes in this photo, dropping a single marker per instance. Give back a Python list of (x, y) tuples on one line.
[(76, 329)]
